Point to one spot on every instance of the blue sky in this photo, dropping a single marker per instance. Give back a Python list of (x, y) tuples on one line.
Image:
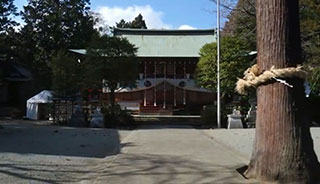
[(159, 14)]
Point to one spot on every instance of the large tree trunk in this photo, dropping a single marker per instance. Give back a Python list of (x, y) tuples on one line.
[(283, 149), (112, 98)]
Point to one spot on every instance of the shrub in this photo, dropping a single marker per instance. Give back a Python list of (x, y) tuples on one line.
[(209, 115), (313, 106), (116, 116)]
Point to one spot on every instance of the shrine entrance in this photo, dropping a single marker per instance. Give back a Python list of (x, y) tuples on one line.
[(165, 95)]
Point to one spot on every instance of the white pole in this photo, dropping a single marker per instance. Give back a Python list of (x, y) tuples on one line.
[(218, 65)]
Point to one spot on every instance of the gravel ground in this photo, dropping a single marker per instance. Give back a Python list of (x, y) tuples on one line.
[(34, 152)]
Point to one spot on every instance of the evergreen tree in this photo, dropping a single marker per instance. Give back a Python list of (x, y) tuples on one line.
[(137, 23), (112, 60), (310, 37), (123, 24), (7, 32), (7, 10), (67, 74), (52, 25), (242, 23)]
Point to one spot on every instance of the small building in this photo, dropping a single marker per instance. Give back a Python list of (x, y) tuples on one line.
[(166, 82), (14, 80)]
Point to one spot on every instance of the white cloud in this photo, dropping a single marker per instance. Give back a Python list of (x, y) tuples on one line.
[(111, 15), (186, 27)]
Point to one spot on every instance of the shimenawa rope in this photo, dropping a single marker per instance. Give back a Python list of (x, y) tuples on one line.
[(252, 78)]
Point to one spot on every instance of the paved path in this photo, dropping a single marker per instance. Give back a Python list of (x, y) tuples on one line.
[(241, 141), (38, 153), (32, 153), (157, 155)]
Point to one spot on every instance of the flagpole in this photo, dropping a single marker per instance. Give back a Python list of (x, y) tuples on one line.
[(218, 65)]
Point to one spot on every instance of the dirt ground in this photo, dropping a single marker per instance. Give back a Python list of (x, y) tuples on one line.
[(37, 152)]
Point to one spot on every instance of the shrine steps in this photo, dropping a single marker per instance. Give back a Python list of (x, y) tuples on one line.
[(150, 119), (154, 110)]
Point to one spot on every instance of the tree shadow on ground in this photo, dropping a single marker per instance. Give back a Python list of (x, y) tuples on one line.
[(163, 169), (117, 167), (126, 168), (21, 172), (59, 141)]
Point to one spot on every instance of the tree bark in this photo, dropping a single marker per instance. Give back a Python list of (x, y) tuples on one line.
[(112, 98), (283, 148)]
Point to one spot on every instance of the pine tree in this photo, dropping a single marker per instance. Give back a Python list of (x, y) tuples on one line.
[(137, 23), (52, 25), (113, 60)]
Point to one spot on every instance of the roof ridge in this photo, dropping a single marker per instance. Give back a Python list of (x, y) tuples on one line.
[(120, 31)]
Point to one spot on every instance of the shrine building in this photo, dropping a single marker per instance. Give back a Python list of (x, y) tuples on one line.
[(167, 63), (168, 60)]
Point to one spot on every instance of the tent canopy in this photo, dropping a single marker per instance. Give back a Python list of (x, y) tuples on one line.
[(42, 97), (33, 103)]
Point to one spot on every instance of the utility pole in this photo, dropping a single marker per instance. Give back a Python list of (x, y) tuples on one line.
[(218, 65)]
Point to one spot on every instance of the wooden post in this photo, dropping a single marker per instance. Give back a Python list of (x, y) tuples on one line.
[(155, 90), (184, 76), (174, 88), (164, 85), (145, 79)]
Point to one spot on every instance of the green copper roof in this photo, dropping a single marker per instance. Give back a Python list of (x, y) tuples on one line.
[(167, 43)]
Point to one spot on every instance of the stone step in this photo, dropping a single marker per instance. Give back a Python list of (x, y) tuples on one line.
[(167, 120)]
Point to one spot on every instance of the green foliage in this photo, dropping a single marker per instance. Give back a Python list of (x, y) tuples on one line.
[(7, 32), (234, 61), (59, 24), (310, 29), (7, 10), (1, 77), (209, 115), (115, 116), (314, 80), (310, 36), (242, 23), (112, 59), (137, 23), (123, 24), (8, 46), (313, 110), (50, 26), (66, 73)]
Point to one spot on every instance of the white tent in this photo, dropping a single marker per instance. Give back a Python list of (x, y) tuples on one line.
[(33, 103)]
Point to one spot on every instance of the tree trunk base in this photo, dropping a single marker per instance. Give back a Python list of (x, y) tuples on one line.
[(299, 175)]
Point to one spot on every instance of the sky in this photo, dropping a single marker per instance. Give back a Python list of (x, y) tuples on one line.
[(158, 14)]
